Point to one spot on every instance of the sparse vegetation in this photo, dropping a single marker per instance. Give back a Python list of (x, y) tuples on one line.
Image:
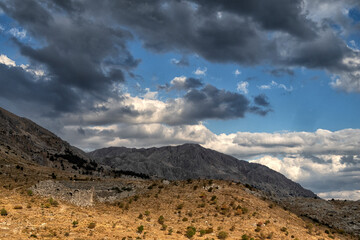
[(222, 235), (3, 212), (161, 220), (140, 229), (190, 231)]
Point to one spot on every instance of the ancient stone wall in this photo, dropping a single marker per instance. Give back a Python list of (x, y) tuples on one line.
[(84, 193)]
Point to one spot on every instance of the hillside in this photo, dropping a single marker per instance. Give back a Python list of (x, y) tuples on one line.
[(23, 138), (191, 161), (165, 210)]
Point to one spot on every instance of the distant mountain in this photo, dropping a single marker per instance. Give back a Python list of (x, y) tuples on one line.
[(31, 142), (191, 161)]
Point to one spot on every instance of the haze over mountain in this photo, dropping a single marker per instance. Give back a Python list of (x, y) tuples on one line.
[(191, 161)]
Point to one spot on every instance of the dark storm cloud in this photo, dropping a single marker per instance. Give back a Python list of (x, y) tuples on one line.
[(261, 100), (78, 54), (230, 31), (17, 85), (281, 15), (210, 102), (82, 45)]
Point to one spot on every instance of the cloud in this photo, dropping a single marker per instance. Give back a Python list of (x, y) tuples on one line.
[(181, 83), (183, 62), (21, 34), (7, 61), (261, 100), (274, 84), (279, 72), (243, 87), (77, 54), (237, 72), (354, 195), (195, 106), (326, 162), (184, 83), (200, 71)]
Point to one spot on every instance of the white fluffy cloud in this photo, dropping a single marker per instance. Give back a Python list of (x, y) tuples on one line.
[(200, 71), (7, 61), (274, 84), (243, 87)]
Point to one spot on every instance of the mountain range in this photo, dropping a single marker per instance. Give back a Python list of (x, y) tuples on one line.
[(189, 161)]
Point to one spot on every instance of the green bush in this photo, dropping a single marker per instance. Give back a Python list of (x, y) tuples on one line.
[(3, 212), (190, 232), (222, 235), (75, 223), (140, 229), (30, 192), (161, 220)]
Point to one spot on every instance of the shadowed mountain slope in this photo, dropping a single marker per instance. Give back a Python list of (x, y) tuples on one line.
[(31, 142)]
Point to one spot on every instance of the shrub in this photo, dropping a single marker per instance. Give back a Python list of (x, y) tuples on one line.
[(185, 219), (161, 220), (140, 229), (190, 231), (3, 212), (30, 192), (213, 198), (53, 202), (245, 237), (147, 213), (140, 216), (92, 225), (222, 235), (202, 232), (75, 223), (163, 227), (283, 229)]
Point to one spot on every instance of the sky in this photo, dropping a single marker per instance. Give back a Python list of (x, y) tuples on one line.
[(275, 82)]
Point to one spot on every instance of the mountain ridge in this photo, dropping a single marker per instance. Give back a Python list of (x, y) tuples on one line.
[(172, 162)]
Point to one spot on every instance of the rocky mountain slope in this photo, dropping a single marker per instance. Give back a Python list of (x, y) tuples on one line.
[(25, 139), (191, 161)]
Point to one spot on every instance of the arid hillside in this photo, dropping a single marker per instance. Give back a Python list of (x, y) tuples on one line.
[(196, 209)]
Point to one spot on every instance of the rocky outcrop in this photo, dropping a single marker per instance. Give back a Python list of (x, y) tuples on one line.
[(191, 161)]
